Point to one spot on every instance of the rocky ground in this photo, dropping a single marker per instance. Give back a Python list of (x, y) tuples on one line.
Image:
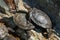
[(34, 34)]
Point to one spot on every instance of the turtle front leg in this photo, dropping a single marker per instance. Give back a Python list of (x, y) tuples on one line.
[(49, 32)]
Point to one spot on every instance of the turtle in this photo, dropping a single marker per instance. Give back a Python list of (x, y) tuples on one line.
[(21, 21), (41, 19)]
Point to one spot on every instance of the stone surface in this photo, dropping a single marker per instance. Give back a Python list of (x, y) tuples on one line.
[(37, 35)]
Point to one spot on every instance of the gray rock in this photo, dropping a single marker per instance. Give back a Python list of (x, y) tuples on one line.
[(3, 4), (3, 31)]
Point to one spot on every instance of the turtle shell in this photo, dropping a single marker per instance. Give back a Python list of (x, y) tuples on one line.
[(40, 18), (21, 21)]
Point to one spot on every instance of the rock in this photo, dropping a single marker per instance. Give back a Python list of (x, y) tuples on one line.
[(11, 37), (21, 6), (3, 31), (35, 35), (3, 4), (22, 33)]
